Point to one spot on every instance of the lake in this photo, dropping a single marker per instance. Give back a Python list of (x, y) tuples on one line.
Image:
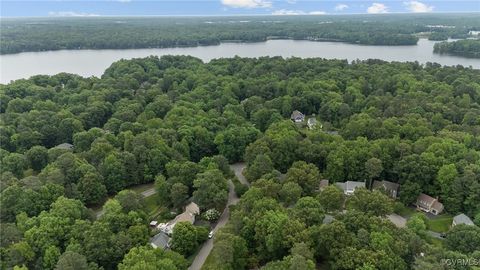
[(94, 62)]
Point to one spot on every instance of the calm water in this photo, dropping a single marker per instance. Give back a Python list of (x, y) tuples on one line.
[(94, 62)]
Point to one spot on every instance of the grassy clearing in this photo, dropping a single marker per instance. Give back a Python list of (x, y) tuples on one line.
[(435, 241), (406, 212), (440, 224)]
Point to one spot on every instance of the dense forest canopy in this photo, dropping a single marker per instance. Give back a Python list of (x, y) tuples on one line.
[(467, 47), (178, 121), (40, 34)]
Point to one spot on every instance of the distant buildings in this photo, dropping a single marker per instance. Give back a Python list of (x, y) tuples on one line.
[(429, 204), (389, 187), (462, 219), (297, 117), (350, 186)]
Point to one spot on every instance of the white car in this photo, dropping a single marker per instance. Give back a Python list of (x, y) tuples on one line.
[(210, 234)]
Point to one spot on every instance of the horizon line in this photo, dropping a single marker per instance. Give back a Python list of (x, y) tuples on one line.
[(246, 15)]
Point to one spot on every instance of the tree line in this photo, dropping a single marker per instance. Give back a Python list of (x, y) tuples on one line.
[(40, 34), (467, 47)]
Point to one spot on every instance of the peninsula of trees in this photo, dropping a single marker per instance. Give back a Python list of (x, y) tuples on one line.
[(467, 48), (68, 143)]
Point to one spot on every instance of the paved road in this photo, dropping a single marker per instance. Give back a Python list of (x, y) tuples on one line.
[(147, 193), (238, 170), (232, 199)]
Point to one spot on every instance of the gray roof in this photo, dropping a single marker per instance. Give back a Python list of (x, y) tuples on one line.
[(296, 115), (462, 219), (389, 186), (160, 240), (340, 185), (352, 185), (328, 219), (67, 146)]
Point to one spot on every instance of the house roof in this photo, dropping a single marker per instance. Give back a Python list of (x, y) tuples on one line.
[(352, 185), (426, 199), (192, 208), (160, 240), (323, 183), (328, 219), (296, 114), (311, 121), (341, 185), (462, 219), (437, 205), (183, 217), (389, 186), (66, 146)]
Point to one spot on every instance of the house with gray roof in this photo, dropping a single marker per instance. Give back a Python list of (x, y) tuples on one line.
[(160, 240), (462, 219), (390, 188), (350, 186), (66, 146), (297, 116)]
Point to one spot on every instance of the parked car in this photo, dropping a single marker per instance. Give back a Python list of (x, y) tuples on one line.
[(210, 234)]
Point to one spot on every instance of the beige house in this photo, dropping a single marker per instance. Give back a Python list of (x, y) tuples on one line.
[(191, 210), (429, 204)]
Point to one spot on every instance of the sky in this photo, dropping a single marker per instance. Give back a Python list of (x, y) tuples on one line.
[(85, 8)]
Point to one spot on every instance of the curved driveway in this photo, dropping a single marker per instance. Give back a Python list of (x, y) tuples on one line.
[(232, 199)]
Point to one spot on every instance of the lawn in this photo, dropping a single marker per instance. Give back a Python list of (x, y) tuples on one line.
[(406, 212), (151, 205), (440, 224), (435, 241)]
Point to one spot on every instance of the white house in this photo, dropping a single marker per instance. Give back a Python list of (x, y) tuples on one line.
[(350, 186)]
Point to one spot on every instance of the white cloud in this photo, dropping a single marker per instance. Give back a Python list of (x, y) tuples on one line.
[(417, 7), (288, 12), (247, 3), (376, 8), (70, 14), (297, 12), (340, 7), (318, 12)]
